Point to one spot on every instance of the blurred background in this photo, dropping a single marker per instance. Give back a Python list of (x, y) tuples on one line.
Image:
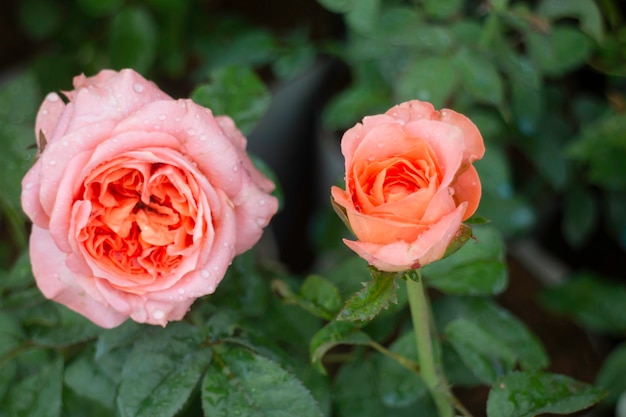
[(545, 81)]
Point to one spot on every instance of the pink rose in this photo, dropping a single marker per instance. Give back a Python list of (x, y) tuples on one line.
[(139, 201), (410, 183)]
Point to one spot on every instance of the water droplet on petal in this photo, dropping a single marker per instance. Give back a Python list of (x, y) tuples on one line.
[(205, 273), (44, 112), (158, 314), (261, 202), (52, 162), (235, 168), (138, 88), (52, 97), (181, 291), (191, 131), (161, 117), (65, 143), (210, 288), (202, 137), (260, 221)]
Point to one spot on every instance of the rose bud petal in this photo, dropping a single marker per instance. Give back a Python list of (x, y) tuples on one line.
[(410, 184), (139, 202)]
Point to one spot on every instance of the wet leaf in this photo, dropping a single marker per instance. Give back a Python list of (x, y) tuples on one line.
[(476, 268), (485, 353), (38, 394), (479, 76), (399, 386), (560, 51), (431, 79), (235, 91), (612, 374), (241, 383), (527, 394), (333, 334), (85, 377), (161, 371), (591, 300), (376, 295), (585, 10), (133, 39), (513, 340)]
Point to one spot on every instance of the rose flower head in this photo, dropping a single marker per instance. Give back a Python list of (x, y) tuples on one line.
[(410, 184), (139, 202)]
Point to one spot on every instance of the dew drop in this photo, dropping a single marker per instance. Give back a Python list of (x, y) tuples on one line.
[(191, 131), (52, 97), (178, 119), (205, 274), (216, 268), (380, 144), (44, 112), (158, 314), (138, 88), (202, 137), (157, 127), (52, 162), (394, 114), (181, 291), (161, 117), (261, 202), (235, 168), (260, 221), (65, 143), (210, 288)]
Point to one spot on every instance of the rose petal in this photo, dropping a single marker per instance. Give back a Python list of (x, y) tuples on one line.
[(400, 256), (57, 282), (48, 116), (474, 145), (467, 188)]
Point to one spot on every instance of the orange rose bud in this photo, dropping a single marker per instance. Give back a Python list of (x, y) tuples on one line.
[(410, 184)]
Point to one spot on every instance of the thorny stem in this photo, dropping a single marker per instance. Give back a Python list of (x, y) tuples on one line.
[(429, 359)]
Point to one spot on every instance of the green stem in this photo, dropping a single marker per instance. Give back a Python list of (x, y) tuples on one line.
[(430, 365)]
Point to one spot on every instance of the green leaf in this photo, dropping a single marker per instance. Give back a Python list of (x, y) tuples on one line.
[(527, 394), (477, 268), (71, 329), (375, 296), (526, 93), (39, 18), (602, 147), (236, 92), (241, 383), (333, 334), (442, 9), (612, 374), (399, 386), (338, 6), (133, 39), (430, 79), (99, 8), (39, 394), (359, 392), (363, 16), (85, 377), (560, 51), (479, 76), (161, 371), (349, 106), (592, 301), (401, 26), (20, 276), (11, 337), (580, 215), (483, 352), (585, 10), (19, 100), (491, 321), (317, 295)]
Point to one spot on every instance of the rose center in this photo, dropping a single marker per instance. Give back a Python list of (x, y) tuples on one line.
[(142, 219)]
